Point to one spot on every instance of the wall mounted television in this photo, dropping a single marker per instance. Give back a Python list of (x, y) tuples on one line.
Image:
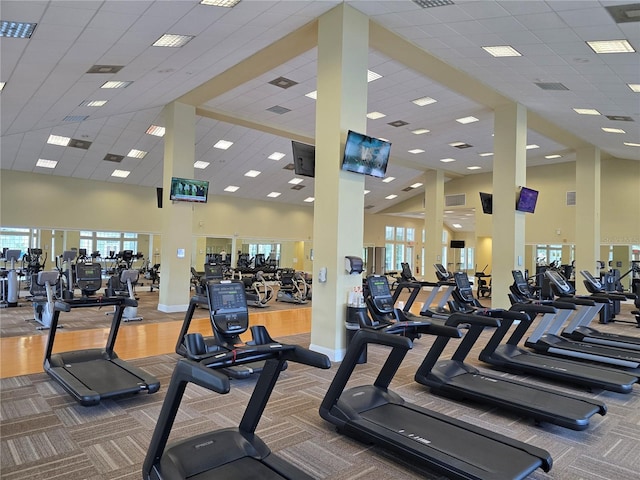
[(366, 155), (304, 159), (486, 199), (527, 200), (189, 190)]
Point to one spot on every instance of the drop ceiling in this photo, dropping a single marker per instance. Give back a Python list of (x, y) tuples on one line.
[(48, 86)]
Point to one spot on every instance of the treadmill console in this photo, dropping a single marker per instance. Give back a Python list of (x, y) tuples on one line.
[(380, 293), (442, 273), (559, 282), (464, 287), (592, 280), (89, 277), (213, 271), (519, 281), (228, 306)]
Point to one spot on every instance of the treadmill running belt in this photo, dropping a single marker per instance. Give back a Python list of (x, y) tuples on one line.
[(105, 377), (245, 468), (466, 447)]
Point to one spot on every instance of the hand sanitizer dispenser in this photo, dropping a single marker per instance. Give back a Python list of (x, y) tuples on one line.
[(353, 265)]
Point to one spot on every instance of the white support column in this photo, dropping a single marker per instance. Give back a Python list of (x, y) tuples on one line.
[(509, 172), (177, 217), (433, 221), (338, 224)]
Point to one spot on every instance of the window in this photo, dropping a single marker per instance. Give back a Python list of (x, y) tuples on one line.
[(106, 242), (399, 247), (18, 238)]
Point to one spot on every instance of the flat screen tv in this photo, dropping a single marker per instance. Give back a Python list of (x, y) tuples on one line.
[(486, 199), (304, 159), (366, 155), (456, 244), (527, 200), (189, 190)]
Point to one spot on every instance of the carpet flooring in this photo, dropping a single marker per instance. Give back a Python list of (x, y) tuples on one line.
[(47, 435)]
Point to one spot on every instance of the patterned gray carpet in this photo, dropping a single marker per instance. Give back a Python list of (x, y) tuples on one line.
[(46, 435)]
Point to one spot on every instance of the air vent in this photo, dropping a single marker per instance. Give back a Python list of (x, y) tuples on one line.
[(620, 118), (458, 200), (75, 143), (111, 157), (432, 3), (571, 199), (283, 82), (297, 187), (408, 189), (278, 109), (461, 145), (75, 118), (289, 166), (105, 69), (551, 86), (398, 123), (625, 13), (367, 207)]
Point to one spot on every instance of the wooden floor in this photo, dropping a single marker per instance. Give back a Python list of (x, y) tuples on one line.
[(24, 355)]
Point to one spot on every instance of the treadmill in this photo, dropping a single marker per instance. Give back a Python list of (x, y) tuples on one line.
[(510, 357), (231, 453), (579, 328), (456, 379), (374, 414), (546, 337), (453, 378), (91, 375)]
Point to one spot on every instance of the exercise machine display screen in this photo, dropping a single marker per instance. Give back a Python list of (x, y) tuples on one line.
[(379, 287), (227, 296)]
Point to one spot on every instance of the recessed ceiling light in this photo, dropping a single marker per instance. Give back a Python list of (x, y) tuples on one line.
[(448, 211), (16, 29), (274, 195), (223, 144), (371, 76), (420, 131), (2, 84), (252, 173), (220, 3), (296, 181), (375, 115), (474, 167), (634, 86), (309, 199), (502, 51), (631, 144), (416, 150), (133, 153), (120, 173), (456, 225), (388, 179), (416, 185), (551, 157), (116, 84), (201, 165), (277, 156), (465, 120), (422, 101), (457, 144), (367, 191), (532, 146), (58, 140), (156, 131), (447, 160), (93, 103), (46, 163), (613, 130), (586, 111), (313, 95), (231, 188), (391, 197), (611, 46), (486, 154), (172, 40)]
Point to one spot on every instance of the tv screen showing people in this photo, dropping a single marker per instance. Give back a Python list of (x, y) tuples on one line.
[(189, 190), (366, 155)]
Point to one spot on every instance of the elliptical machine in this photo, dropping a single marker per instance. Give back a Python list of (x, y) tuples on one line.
[(13, 284), (293, 288), (257, 291), (122, 286), (44, 298)]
